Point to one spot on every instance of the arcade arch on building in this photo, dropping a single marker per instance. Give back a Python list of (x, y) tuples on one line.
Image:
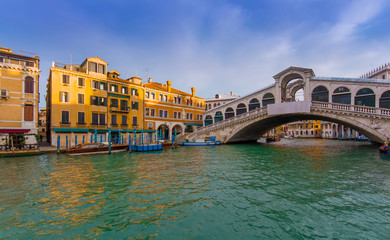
[(268, 98), (208, 120), (320, 94), (253, 104), (164, 132), (229, 113), (218, 116), (341, 95), (384, 100), (241, 108), (365, 97)]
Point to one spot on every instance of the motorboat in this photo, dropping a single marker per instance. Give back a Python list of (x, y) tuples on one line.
[(95, 148), (211, 141)]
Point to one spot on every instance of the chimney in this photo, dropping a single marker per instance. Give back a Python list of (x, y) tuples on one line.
[(193, 91), (169, 83), (231, 93), (150, 80)]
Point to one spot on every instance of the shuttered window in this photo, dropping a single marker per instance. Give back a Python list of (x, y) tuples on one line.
[(28, 112), (65, 117), (81, 118), (81, 98), (65, 79), (29, 85)]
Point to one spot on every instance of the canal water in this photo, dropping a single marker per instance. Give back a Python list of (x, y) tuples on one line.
[(293, 189)]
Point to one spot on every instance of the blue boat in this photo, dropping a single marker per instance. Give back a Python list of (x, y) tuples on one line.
[(209, 142)]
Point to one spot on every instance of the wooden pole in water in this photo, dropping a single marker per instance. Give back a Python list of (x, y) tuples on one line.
[(12, 145)]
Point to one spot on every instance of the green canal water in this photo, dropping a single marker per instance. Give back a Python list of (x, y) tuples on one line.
[(294, 189)]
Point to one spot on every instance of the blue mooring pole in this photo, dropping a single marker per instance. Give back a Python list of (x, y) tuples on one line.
[(66, 141), (83, 138), (75, 140), (129, 142), (95, 135), (109, 140), (175, 138), (58, 143)]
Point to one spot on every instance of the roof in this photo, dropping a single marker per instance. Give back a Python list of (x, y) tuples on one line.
[(223, 97), (163, 87), (342, 79)]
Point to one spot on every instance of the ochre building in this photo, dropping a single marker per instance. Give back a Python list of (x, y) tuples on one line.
[(168, 109), (19, 97), (85, 101)]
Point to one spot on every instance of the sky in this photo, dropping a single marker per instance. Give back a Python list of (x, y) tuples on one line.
[(217, 46)]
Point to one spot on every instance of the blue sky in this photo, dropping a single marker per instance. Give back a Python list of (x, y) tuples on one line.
[(217, 46)]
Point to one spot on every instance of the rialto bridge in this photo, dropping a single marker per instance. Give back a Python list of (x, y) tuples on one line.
[(363, 104)]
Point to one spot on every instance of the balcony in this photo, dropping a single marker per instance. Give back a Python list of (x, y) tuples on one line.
[(121, 109), (81, 123), (124, 125), (64, 123)]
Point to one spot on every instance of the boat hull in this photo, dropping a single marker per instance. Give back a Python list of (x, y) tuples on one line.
[(200, 143)]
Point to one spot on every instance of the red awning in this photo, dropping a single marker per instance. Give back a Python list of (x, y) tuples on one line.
[(14, 130)]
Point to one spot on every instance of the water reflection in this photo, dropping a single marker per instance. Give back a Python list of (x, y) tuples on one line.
[(286, 190)]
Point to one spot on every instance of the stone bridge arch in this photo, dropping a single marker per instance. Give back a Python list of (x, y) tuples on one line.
[(283, 78), (253, 130)]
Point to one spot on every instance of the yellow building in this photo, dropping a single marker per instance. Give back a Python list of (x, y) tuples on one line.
[(168, 109), (19, 97), (85, 101), (304, 129)]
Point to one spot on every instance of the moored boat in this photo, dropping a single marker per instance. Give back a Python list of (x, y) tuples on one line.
[(272, 139), (95, 148), (385, 149), (211, 141)]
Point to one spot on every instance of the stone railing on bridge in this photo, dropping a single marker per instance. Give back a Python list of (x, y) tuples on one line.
[(355, 109), (221, 124)]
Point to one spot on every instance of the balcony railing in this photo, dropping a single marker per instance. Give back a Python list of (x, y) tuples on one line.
[(68, 67)]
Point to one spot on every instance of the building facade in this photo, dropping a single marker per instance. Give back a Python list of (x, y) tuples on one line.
[(85, 101), (219, 99), (168, 110), (42, 125), (19, 97), (304, 129)]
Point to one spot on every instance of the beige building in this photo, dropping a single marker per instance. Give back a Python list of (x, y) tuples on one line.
[(219, 99), (19, 97), (42, 125)]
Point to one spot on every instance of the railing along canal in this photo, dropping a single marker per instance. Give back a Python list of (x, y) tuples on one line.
[(251, 114)]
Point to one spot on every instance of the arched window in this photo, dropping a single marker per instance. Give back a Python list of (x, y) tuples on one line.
[(241, 108), (384, 101), (229, 113), (215, 104), (341, 95), (218, 116), (268, 98), (28, 112), (208, 120), (365, 97), (320, 94), (29, 85), (253, 104)]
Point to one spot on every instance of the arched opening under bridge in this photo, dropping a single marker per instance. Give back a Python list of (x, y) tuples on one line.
[(254, 130)]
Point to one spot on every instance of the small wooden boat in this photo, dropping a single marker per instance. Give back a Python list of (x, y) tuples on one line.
[(211, 141), (95, 148), (272, 139), (385, 149)]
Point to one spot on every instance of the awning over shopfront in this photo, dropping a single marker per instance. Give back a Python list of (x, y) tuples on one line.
[(193, 124), (68, 130), (14, 130)]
